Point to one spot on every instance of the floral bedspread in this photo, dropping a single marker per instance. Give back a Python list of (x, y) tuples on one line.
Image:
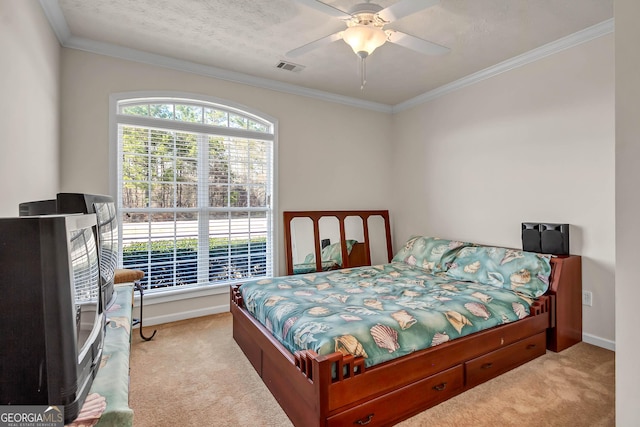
[(378, 312)]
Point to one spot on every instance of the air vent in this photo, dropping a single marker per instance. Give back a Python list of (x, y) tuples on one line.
[(290, 66)]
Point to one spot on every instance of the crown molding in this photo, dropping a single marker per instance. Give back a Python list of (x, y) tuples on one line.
[(61, 29), (218, 73), (56, 19), (590, 33)]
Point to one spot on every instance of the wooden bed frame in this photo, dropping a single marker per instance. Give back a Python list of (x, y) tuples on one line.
[(337, 390), (360, 253)]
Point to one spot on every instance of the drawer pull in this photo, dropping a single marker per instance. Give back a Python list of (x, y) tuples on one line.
[(531, 346), (487, 366), (440, 387), (364, 421)]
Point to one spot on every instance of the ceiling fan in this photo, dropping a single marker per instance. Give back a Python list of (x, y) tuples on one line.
[(365, 29)]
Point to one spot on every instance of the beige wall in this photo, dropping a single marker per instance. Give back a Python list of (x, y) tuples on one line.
[(310, 133), (29, 112), (627, 210), (532, 144)]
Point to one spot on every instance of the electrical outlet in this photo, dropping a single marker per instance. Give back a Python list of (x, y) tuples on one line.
[(587, 298)]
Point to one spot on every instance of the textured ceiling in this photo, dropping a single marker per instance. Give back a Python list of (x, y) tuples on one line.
[(252, 36)]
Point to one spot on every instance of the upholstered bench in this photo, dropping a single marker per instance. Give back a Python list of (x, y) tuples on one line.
[(108, 401), (107, 404)]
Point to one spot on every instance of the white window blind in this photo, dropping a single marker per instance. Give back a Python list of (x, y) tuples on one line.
[(194, 192)]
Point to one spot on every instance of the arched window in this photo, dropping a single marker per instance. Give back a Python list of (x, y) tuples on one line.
[(194, 191)]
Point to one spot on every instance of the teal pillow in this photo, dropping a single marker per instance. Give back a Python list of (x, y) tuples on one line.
[(310, 258), (429, 253), (524, 272)]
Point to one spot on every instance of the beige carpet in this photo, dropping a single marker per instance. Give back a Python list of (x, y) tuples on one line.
[(193, 374)]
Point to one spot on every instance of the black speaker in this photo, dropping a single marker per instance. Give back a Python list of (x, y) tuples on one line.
[(554, 238), (531, 237), (545, 238)]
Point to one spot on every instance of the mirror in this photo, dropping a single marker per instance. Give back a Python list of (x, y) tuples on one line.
[(329, 231), (307, 233), (377, 240), (301, 239), (354, 229)]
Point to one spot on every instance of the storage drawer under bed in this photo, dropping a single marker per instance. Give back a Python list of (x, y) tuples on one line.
[(384, 410), (497, 362)]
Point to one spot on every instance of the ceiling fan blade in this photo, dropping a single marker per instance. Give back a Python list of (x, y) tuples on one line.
[(405, 8), (324, 8), (314, 45), (417, 44)]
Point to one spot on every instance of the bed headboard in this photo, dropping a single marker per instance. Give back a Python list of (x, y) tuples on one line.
[(337, 227)]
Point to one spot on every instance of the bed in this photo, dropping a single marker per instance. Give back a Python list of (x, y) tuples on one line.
[(342, 379)]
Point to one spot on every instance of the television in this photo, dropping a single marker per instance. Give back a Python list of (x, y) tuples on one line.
[(107, 231), (51, 317)]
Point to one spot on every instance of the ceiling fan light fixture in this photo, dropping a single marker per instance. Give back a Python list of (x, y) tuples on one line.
[(364, 39)]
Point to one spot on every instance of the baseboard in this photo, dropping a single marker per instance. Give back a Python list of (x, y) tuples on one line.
[(183, 315), (599, 342)]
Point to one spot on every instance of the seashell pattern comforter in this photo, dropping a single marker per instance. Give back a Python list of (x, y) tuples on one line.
[(378, 312)]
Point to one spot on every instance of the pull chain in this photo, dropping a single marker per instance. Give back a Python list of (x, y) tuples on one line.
[(363, 73)]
